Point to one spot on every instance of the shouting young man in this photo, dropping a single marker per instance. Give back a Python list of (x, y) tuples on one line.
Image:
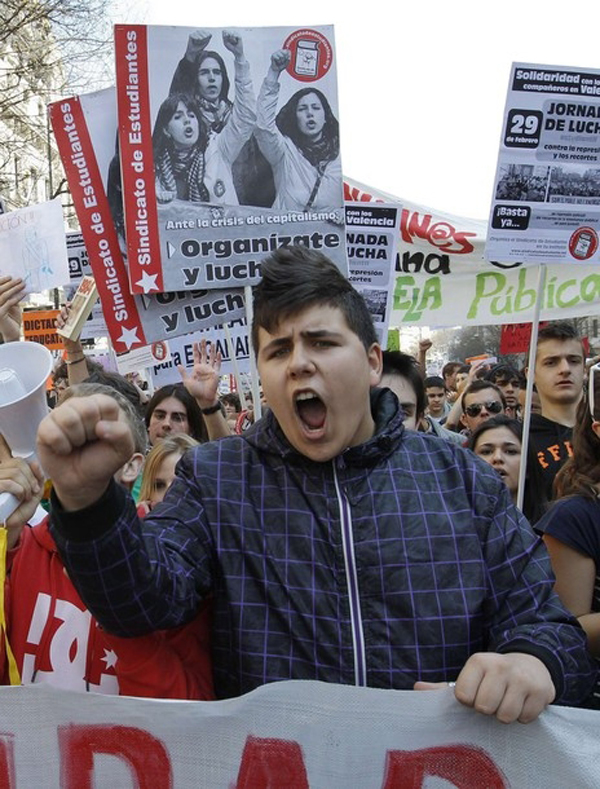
[(336, 545)]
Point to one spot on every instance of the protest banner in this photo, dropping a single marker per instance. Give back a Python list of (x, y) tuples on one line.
[(181, 349), (39, 326), (140, 358), (85, 129), (442, 279), (371, 241), (197, 213), (33, 247), (296, 734), (547, 186)]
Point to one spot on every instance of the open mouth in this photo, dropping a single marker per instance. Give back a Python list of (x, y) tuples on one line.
[(311, 410)]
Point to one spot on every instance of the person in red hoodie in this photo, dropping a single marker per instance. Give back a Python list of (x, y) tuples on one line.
[(54, 638)]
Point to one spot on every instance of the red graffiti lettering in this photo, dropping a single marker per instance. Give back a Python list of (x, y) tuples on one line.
[(440, 234), (271, 763), (464, 766), (146, 756)]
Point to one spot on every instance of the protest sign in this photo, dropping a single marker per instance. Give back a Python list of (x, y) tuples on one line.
[(140, 358), (288, 734), (547, 188), (79, 267), (32, 246), (85, 129), (442, 279), (39, 326), (197, 213), (181, 349), (371, 241)]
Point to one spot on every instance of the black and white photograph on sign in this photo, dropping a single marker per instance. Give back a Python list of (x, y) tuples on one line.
[(243, 136), (523, 182), (377, 303), (570, 185), (162, 315)]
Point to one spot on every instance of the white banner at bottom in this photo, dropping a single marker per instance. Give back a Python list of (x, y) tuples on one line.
[(292, 735)]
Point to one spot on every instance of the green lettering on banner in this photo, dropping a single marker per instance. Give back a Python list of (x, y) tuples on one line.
[(525, 298), (496, 283), (590, 288), (414, 302), (563, 302)]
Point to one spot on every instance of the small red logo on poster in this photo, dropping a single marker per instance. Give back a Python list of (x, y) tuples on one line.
[(312, 55), (583, 243), (159, 350)]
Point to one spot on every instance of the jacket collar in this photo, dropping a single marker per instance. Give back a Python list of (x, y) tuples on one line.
[(266, 434)]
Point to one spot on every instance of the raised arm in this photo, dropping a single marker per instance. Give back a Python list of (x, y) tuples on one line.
[(269, 138), (242, 122), (11, 293), (203, 384), (82, 443)]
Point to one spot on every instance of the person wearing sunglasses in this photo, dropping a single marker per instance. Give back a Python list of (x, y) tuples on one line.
[(571, 527), (481, 400)]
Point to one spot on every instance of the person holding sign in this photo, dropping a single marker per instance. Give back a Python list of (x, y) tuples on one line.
[(228, 125), (301, 143), (336, 544)]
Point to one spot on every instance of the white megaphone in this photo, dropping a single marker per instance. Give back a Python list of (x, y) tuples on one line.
[(24, 370)]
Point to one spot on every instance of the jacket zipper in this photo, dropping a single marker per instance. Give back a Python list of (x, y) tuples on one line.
[(358, 637)]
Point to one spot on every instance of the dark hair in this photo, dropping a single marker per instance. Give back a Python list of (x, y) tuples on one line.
[(204, 55), (231, 398), (502, 372), (581, 472), (194, 414), (434, 380), (464, 368), (560, 330), (402, 364), (62, 369), (450, 368), (287, 123), (167, 109), (120, 384), (477, 386), (534, 502), (295, 278), (86, 389)]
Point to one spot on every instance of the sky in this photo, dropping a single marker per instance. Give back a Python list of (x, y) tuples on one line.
[(422, 85)]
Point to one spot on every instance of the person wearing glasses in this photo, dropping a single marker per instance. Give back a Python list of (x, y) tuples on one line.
[(571, 527), (481, 400)]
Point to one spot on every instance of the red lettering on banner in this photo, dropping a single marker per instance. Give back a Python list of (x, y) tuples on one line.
[(145, 754), (268, 763), (464, 766), (440, 234), (355, 195), (7, 761)]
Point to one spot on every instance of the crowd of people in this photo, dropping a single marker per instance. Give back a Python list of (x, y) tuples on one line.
[(365, 530)]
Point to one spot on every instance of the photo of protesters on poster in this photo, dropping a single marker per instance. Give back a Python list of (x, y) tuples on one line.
[(215, 179), (85, 128), (301, 142)]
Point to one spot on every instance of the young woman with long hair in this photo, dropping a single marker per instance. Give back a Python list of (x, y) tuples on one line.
[(301, 143)]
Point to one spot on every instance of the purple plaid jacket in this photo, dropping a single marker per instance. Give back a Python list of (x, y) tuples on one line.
[(394, 562)]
